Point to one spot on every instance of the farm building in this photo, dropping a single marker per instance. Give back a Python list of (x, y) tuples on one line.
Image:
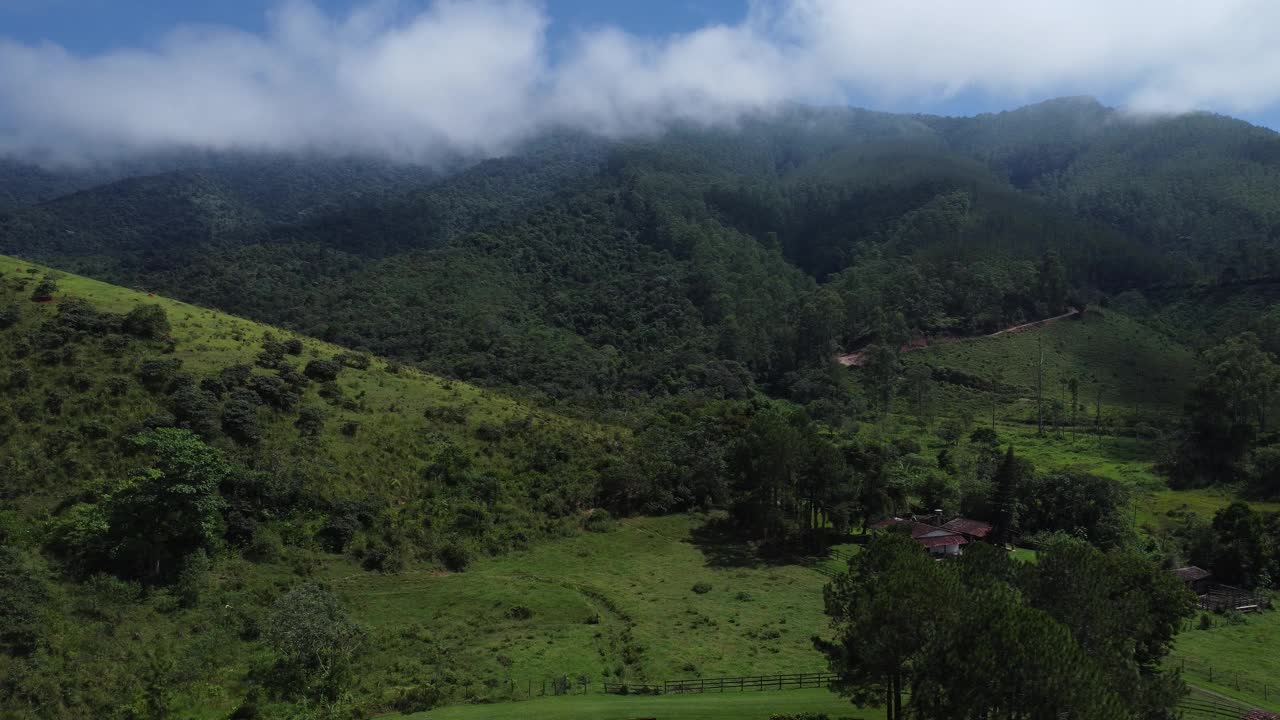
[(1197, 580), (935, 538)]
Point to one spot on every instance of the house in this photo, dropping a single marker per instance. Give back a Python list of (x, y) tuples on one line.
[(973, 530), (1197, 580), (937, 541)]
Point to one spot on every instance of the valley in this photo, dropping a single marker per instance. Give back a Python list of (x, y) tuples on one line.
[(347, 439)]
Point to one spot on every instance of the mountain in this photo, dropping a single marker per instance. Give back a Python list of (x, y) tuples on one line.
[(594, 272)]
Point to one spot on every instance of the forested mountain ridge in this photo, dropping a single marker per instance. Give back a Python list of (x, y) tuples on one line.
[(768, 245)]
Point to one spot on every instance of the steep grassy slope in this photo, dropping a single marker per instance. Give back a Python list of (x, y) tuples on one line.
[(380, 469), (1130, 368)]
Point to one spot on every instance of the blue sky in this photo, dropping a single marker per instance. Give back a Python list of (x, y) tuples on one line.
[(473, 74)]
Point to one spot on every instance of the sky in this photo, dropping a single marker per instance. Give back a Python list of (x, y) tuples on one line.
[(417, 79)]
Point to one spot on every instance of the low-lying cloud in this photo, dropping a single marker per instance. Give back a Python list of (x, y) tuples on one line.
[(474, 76)]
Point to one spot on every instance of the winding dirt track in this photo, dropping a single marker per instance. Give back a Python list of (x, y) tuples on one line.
[(858, 359)]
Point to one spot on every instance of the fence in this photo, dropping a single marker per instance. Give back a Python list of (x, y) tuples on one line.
[(1226, 597), (1200, 670), (1200, 706), (794, 681)]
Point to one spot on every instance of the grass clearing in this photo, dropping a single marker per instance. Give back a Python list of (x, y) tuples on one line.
[(602, 605), (726, 706), (1129, 364), (1242, 657)]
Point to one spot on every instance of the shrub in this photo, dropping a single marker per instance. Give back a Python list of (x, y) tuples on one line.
[(54, 400), (116, 386), (240, 417), (235, 376), (146, 321), (195, 410), (702, 588), (599, 520), (359, 361), (310, 422), (273, 391), (742, 596), (322, 370), (19, 379), (338, 532), (984, 436), (518, 612), (293, 346), (44, 290), (157, 375), (350, 428), (315, 642), (455, 556), (9, 316)]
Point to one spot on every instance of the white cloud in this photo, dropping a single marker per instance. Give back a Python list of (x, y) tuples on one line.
[(475, 75)]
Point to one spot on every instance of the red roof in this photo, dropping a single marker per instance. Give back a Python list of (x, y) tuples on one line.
[(976, 528), (942, 540)]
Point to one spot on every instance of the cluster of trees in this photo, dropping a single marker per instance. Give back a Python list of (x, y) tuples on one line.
[(1239, 545), (1079, 634), (1226, 440)]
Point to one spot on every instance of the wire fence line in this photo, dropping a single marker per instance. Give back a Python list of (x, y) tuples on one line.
[(1202, 670), (744, 683)]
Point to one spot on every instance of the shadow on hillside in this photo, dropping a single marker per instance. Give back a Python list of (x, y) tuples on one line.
[(724, 547)]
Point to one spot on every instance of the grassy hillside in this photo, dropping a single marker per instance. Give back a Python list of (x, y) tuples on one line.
[(1125, 365), (379, 469)]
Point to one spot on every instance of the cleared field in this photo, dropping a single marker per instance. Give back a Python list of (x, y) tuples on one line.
[(1236, 660), (1125, 365), (652, 600), (735, 706)]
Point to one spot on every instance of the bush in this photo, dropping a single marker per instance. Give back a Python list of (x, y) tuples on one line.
[(235, 376), (273, 391), (518, 612), (350, 428), (455, 556), (146, 321), (9, 316), (599, 520), (702, 588), (359, 361), (157, 375), (322, 371), (315, 642), (44, 290), (116, 386), (984, 436), (293, 346), (310, 422), (240, 417)]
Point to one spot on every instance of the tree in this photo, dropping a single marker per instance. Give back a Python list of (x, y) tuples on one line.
[(1008, 476), (885, 611), (1245, 551), (1227, 410), (1122, 609), (177, 496), (315, 642), (1075, 502), (147, 321)]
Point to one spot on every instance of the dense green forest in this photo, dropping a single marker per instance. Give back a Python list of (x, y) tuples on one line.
[(435, 368)]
